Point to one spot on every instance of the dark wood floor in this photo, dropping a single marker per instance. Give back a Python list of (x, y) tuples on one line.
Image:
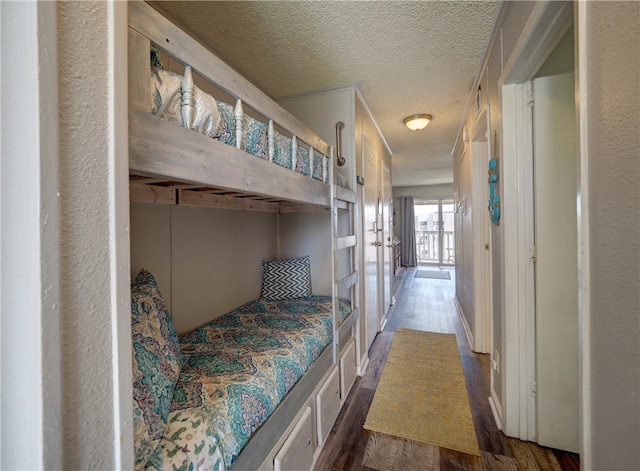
[(428, 304)]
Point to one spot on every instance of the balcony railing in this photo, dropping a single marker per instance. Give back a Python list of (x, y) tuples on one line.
[(428, 247)]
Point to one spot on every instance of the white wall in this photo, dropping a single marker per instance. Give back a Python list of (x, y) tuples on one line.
[(308, 233), (314, 109), (151, 245), (426, 192), (65, 301), (207, 261), (609, 48), (30, 293)]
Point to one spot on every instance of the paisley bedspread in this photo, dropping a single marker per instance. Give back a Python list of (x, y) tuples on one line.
[(236, 370)]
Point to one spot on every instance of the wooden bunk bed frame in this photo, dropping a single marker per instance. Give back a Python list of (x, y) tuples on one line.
[(170, 164), (160, 149)]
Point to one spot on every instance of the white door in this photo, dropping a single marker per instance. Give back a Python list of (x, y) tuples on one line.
[(556, 262), (371, 244), (387, 233)]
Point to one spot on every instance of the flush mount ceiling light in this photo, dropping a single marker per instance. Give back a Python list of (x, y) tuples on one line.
[(417, 121)]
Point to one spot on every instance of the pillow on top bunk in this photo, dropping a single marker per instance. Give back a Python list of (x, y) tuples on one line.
[(156, 365), (254, 139), (286, 279), (342, 181), (302, 161), (282, 150), (166, 99), (317, 172), (166, 95)]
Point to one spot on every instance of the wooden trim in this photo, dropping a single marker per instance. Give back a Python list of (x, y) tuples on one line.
[(345, 195), (345, 242), (139, 72), (141, 193), (496, 408), (339, 204), (465, 324), (289, 207), (584, 241), (347, 282), (349, 321), (509, 345), (160, 148), (211, 200), (546, 25)]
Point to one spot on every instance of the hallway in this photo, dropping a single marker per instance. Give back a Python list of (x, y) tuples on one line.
[(428, 304)]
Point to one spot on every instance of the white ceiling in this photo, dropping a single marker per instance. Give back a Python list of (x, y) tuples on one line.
[(406, 57)]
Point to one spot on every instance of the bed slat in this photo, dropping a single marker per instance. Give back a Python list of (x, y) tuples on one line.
[(198, 198), (151, 194)]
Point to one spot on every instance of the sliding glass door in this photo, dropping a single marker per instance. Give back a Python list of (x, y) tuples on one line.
[(435, 239)]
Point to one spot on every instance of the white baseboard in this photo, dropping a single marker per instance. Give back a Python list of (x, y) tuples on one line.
[(496, 409), (383, 323), (467, 329), (362, 368)]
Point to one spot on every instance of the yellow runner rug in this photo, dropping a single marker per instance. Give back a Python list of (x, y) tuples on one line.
[(422, 394)]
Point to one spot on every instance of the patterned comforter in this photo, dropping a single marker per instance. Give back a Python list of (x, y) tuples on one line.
[(236, 370)]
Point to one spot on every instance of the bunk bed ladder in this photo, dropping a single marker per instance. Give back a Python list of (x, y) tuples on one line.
[(344, 264)]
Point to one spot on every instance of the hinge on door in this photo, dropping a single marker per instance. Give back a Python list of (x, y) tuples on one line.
[(530, 98), (534, 388), (533, 254)]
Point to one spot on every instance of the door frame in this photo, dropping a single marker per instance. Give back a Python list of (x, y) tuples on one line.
[(437, 200), (387, 247), (366, 315), (481, 152), (547, 23)]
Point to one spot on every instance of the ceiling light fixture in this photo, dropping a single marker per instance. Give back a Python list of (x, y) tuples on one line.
[(417, 121)]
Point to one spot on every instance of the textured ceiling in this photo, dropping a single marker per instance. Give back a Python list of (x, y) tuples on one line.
[(406, 57)]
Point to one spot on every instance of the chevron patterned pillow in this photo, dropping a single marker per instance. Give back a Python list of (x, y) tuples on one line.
[(286, 279)]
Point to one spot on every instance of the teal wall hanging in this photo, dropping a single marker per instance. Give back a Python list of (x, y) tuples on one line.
[(494, 198)]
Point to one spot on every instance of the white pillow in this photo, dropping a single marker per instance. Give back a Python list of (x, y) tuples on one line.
[(166, 97)]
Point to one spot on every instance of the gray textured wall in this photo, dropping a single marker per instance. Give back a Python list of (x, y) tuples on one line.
[(613, 159)]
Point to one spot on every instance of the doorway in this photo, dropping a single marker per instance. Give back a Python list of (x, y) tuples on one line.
[(435, 236), (541, 352), (555, 262)]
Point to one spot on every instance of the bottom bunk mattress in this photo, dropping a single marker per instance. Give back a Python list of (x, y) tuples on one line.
[(235, 370)]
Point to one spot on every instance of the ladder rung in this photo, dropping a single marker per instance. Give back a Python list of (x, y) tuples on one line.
[(345, 242), (341, 204), (345, 195), (347, 282), (349, 320)]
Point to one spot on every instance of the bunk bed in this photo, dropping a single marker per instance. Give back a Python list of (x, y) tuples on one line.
[(187, 147)]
